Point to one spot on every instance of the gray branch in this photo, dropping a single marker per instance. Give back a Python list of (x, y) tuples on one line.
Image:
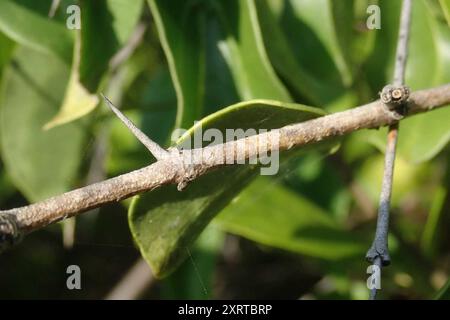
[(172, 169)]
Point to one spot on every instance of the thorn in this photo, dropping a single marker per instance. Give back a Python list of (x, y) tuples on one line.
[(154, 148)]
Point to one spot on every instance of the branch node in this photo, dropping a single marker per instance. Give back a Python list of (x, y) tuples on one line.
[(187, 172), (394, 97), (375, 252)]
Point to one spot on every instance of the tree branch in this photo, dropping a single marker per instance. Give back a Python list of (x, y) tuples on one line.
[(173, 169)]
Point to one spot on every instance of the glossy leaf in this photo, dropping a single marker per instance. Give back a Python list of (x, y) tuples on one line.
[(41, 164), (287, 220), (165, 222)]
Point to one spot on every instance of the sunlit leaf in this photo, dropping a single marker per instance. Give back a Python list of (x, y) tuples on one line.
[(77, 101)]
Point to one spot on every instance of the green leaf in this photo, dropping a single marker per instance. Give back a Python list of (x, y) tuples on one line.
[(269, 213), (180, 26), (165, 221), (33, 30), (105, 28), (7, 49), (296, 41), (445, 5), (434, 219), (113, 22), (77, 101), (244, 51), (229, 32), (285, 62), (41, 164)]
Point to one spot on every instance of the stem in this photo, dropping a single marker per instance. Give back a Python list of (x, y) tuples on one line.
[(379, 251)]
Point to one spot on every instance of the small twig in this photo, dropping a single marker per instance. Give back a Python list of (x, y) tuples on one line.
[(395, 97), (158, 152), (131, 45), (402, 44)]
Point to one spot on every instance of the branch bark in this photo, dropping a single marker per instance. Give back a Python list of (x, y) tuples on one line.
[(173, 169)]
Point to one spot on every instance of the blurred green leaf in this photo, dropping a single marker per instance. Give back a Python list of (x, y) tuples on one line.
[(321, 180), (431, 229), (180, 26), (408, 178), (165, 222), (268, 213), (106, 26), (230, 32), (41, 164), (285, 62), (445, 5), (194, 278), (326, 39), (77, 101), (6, 51), (244, 51), (35, 31)]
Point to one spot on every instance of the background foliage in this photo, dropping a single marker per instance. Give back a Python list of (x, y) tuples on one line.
[(300, 234)]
